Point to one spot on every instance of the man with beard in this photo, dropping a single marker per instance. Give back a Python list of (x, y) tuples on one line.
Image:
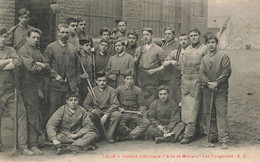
[(18, 33), (81, 29), (122, 63), (148, 58), (131, 46), (73, 39), (191, 86), (215, 70), (9, 60), (62, 58), (165, 117), (168, 45), (35, 68), (104, 110)]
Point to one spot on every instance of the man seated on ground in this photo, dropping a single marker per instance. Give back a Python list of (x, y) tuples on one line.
[(103, 105), (70, 124), (132, 109), (165, 117)]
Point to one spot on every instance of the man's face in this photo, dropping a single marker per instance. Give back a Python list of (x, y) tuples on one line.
[(73, 102), (147, 37), (163, 95), (194, 37), (183, 41), (2, 39), (119, 48), (212, 45), (24, 20), (103, 47), (82, 25), (129, 81), (168, 35), (86, 47), (34, 39), (132, 39), (122, 27), (105, 35), (101, 82), (63, 34), (73, 27)]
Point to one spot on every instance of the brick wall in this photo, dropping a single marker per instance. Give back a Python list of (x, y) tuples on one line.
[(7, 13)]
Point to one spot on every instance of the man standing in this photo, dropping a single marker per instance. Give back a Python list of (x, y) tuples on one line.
[(121, 25), (80, 130), (147, 58), (105, 35), (131, 47), (18, 33), (215, 70), (62, 58), (102, 56), (119, 64), (73, 39), (9, 60), (191, 86), (168, 45), (132, 106), (174, 59), (164, 115), (35, 68), (104, 109), (81, 29)]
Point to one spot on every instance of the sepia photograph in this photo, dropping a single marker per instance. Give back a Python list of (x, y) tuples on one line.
[(129, 80)]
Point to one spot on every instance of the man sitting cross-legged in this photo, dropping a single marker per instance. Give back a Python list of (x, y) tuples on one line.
[(165, 118), (70, 124), (132, 109)]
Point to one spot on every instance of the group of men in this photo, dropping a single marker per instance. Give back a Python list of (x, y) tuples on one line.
[(167, 93)]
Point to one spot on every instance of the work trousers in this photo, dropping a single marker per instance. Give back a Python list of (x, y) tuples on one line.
[(219, 121), (153, 131), (110, 124), (7, 100), (140, 125)]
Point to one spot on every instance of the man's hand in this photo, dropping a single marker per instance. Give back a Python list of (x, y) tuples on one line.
[(59, 78), (85, 75), (10, 60), (162, 129), (151, 71), (212, 85), (103, 119), (41, 64), (56, 142), (121, 109), (112, 76), (74, 136)]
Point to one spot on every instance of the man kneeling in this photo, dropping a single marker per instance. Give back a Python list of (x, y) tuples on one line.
[(70, 124), (165, 118)]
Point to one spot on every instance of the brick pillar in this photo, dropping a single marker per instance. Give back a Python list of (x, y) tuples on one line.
[(132, 13), (7, 13), (185, 16)]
